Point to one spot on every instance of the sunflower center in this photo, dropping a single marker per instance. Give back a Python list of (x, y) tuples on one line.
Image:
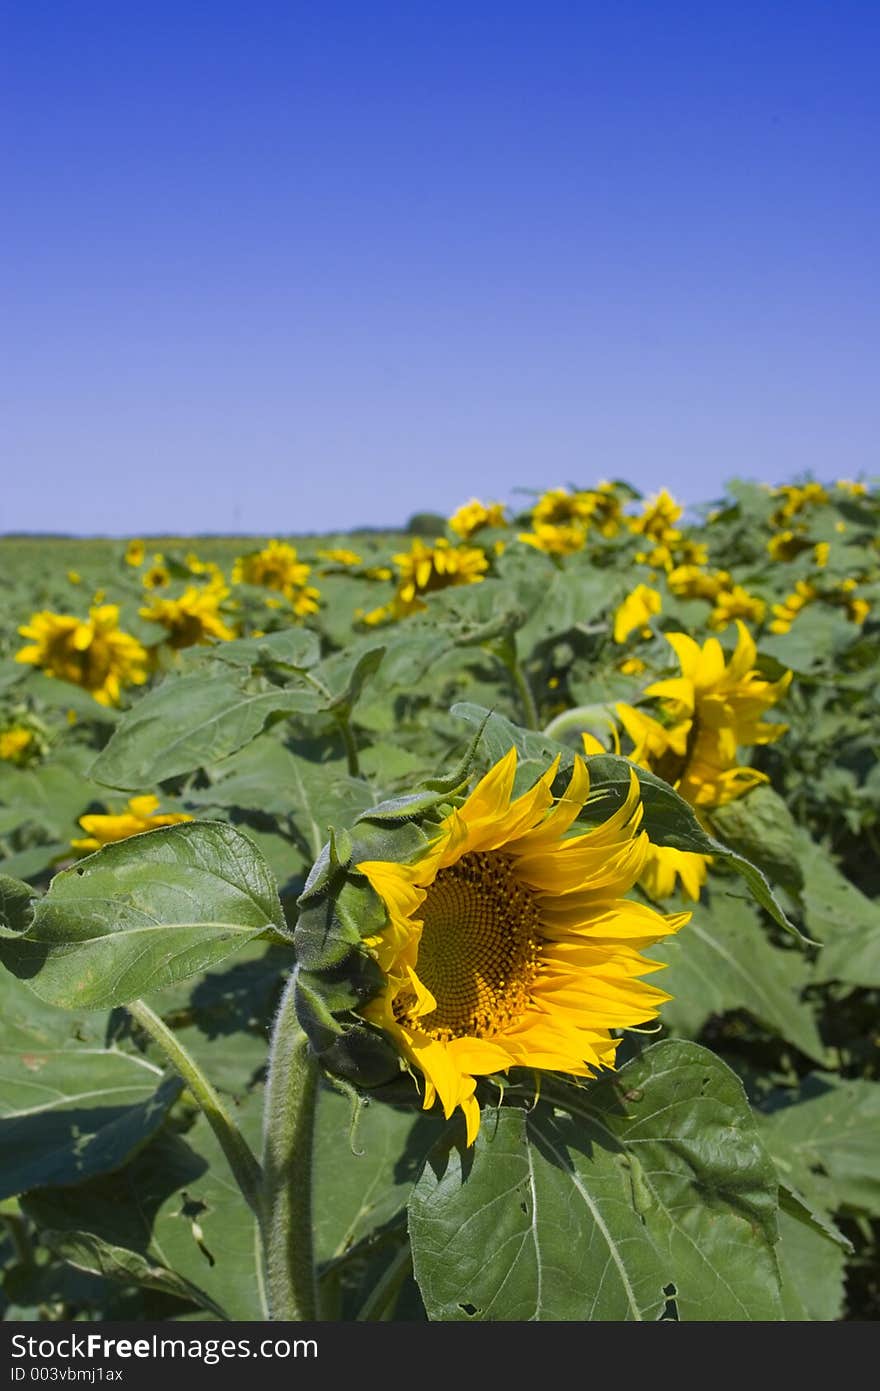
[(479, 946)]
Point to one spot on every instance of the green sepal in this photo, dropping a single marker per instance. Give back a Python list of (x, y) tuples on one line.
[(340, 848), (16, 905), (353, 1051)]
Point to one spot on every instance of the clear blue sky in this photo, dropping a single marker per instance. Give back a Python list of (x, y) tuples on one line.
[(274, 267)]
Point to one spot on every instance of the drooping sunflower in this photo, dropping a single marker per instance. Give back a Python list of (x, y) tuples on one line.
[(509, 943), (139, 815), (93, 653)]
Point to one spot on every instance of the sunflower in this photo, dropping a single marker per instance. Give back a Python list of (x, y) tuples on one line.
[(92, 653), (555, 538), (474, 516), (736, 602), (135, 552), (276, 566), (707, 712), (656, 518), (424, 569), (692, 582), (192, 619), (509, 945), (138, 816), (636, 611), (157, 575), (16, 743), (710, 709)]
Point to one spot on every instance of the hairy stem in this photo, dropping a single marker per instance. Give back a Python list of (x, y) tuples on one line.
[(242, 1160), (288, 1142), (351, 753)]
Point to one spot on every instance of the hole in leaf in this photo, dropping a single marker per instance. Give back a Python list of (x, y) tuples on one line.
[(670, 1310), (524, 1208), (469, 1309)]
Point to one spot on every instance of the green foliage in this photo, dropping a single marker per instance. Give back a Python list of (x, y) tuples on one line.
[(307, 745)]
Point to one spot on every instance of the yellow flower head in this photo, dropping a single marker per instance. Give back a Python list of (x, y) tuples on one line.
[(94, 653), (16, 743), (555, 538), (795, 499), (135, 552), (191, 619), (138, 816), (204, 567), (788, 544), (847, 485), (157, 575), (636, 611), (709, 710), (74, 577), (690, 582), (274, 567), (690, 552), (474, 516), (660, 556), (509, 945), (558, 506), (425, 569), (606, 512), (657, 517), (736, 602)]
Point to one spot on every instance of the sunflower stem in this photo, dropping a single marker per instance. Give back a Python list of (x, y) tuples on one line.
[(288, 1141), (507, 653), (242, 1161), (351, 753)]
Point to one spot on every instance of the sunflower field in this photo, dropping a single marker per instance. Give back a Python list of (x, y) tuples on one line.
[(472, 922)]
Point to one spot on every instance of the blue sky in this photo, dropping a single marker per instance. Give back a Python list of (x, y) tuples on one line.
[(279, 267)]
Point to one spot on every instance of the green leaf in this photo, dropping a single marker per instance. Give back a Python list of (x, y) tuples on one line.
[(68, 1114), (85, 1251), (825, 1140), (175, 1206), (291, 647), (761, 827), (722, 960), (71, 1105), (51, 796), (188, 722), (604, 1202), (365, 1165), (144, 913), (269, 778), (845, 921), (812, 1272), (16, 904)]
